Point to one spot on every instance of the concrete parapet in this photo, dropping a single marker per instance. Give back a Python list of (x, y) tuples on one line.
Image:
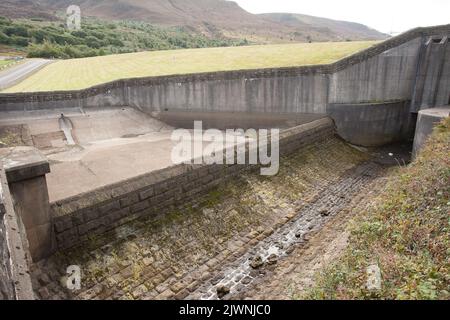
[(25, 170), (426, 121)]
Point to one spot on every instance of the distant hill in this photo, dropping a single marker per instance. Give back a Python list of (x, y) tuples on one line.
[(328, 27), (213, 18)]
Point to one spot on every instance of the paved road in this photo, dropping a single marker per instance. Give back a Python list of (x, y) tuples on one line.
[(15, 74)]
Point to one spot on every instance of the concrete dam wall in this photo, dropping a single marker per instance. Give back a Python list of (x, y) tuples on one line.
[(413, 68), (96, 162)]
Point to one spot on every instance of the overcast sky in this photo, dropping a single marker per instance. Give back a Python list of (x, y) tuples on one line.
[(384, 15)]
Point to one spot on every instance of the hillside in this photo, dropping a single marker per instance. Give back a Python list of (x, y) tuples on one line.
[(15, 9), (51, 40), (213, 18)]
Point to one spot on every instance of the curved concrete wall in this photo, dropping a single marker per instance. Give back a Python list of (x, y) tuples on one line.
[(371, 124)]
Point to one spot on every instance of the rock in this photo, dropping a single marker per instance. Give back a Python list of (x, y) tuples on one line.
[(148, 261), (257, 262), (44, 294), (44, 280), (222, 291), (324, 213), (246, 280), (298, 234), (273, 258), (290, 249), (279, 246), (139, 291), (131, 237)]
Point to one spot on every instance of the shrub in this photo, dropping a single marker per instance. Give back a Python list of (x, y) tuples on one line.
[(99, 38), (17, 30), (4, 39), (18, 41)]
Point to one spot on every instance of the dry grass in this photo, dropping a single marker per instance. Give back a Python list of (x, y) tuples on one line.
[(83, 73)]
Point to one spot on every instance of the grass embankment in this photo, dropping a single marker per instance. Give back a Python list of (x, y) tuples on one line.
[(406, 233), (83, 73), (5, 63)]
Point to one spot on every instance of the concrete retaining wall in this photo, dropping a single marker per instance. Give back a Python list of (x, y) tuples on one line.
[(372, 124), (153, 194), (426, 121), (385, 77), (246, 93)]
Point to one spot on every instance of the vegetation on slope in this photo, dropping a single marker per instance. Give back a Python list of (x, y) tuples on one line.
[(5, 63), (82, 73), (213, 18), (51, 39), (406, 233)]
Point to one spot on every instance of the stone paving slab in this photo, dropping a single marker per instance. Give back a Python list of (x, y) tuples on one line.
[(296, 273)]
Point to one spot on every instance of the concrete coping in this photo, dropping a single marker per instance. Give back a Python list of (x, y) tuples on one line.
[(23, 163), (439, 112)]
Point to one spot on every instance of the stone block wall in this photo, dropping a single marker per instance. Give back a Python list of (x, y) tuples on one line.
[(78, 218), (15, 281)]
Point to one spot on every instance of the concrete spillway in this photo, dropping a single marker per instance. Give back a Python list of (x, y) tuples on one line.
[(66, 126)]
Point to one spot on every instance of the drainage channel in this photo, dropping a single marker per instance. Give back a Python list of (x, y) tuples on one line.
[(240, 275)]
